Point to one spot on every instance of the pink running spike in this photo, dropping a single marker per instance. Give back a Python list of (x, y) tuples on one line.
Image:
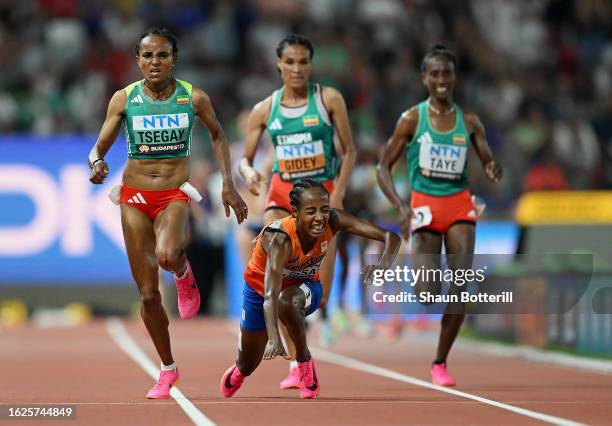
[(166, 380), (231, 381), (440, 377), (309, 383), (292, 381), (188, 294)]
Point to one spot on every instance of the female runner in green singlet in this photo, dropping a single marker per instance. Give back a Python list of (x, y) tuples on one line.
[(157, 114), (438, 133)]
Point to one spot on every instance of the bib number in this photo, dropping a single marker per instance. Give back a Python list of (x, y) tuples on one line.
[(442, 161), (422, 217), (301, 160)]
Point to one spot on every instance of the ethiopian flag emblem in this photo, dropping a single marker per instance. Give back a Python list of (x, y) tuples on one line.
[(182, 100), (311, 120), (458, 140)]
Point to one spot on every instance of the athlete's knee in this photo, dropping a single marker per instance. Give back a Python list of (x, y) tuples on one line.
[(288, 304), (168, 257), (150, 298)]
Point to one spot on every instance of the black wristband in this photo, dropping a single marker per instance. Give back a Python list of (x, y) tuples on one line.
[(94, 163)]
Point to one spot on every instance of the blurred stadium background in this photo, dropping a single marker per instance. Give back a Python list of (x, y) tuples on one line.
[(538, 73)]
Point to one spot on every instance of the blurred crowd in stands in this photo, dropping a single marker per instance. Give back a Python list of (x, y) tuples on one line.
[(538, 72)]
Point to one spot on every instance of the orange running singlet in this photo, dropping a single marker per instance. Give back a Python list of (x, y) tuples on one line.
[(299, 267)]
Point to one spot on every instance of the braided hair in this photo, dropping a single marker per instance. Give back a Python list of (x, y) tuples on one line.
[(435, 51), (294, 39), (162, 32), (295, 196)]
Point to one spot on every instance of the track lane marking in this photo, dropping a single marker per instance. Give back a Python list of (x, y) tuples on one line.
[(120, 336), (354, 364)]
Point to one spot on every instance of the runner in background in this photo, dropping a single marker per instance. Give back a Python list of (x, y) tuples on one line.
[(437, 133), (302, 119)]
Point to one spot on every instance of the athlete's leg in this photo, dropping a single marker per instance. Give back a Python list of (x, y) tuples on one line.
[(251, 349), (459, 243), (171, 231), (251, 346), (427, 246), (139, 239), (291, 310)]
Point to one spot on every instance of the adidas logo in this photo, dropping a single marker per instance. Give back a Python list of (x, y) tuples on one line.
[(276, 125), (136, 100), (137, 199), (425, 138)]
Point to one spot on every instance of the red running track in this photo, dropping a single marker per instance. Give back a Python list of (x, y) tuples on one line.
[(85, 367)]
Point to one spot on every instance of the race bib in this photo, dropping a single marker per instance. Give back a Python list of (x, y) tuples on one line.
[(422, 217), (301, 160), (442, 161)]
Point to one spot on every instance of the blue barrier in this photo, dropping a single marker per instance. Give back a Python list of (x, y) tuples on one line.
[(55, 226)]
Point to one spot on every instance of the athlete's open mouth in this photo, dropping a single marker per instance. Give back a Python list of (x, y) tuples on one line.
[(317, 229)]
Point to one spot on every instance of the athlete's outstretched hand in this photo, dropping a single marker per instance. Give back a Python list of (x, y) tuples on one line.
[(405, 215), (232, 199), (99, 171), (493, 171), (367, 273), (275, 348)]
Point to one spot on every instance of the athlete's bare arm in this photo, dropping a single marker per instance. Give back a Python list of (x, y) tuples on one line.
[(277, 245), (108, 135), (404, 131), (478, 137), (203, 109), (255, 128), (339, 220), (336, 107)]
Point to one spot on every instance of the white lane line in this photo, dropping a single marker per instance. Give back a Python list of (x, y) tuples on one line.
[(354, 364), (119, 334), (537, 355), (523, 352)]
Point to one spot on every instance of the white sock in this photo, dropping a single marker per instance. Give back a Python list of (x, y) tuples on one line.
[(168, 367), (293, 364), (184, 272)]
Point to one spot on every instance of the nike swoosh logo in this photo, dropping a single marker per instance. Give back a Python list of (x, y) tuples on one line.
[(315, 382), (228, 383)]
